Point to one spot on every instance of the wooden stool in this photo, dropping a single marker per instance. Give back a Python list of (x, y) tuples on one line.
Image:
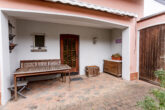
[(22, 85)]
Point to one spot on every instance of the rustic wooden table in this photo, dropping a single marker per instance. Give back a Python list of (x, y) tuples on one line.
[(41, 70)]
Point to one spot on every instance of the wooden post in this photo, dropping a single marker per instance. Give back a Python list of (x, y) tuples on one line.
[(62, 77), (65, 77), (69, 79), (15, 87)]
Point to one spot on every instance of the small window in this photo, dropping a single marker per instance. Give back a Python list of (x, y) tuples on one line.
[(39, 41)]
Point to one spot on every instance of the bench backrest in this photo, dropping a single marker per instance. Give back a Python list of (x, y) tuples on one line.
[(36, 63)]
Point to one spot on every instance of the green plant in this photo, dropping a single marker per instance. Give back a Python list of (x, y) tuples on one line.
[(160, 74), (116, 55), (156, 99)]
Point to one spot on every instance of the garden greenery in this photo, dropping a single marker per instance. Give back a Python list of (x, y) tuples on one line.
[(156, 100)]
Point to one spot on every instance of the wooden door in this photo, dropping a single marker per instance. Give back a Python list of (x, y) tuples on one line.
[(152, 51), (69, 45)]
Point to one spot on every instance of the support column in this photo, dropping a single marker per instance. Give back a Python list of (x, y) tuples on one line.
[(126, 54), (4, 59)]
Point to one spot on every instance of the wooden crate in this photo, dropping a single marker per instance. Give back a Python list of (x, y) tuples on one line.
[(92, 71)]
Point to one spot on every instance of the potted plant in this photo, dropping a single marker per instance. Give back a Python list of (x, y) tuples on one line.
[(116, 56)]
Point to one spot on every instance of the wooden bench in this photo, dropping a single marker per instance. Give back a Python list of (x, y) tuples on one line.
[(40, 67), (36, 63)]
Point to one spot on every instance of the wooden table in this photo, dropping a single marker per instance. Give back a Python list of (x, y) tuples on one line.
[(40, 70)]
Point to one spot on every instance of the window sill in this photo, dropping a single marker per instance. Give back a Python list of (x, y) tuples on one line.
[(39, 50)]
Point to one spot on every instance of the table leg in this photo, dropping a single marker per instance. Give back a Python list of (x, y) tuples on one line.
[(15, 87), (65, 77), (69, 79), (62, 77)]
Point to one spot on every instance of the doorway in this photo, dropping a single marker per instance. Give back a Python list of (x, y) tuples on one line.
[(69, 51), (152, 46)]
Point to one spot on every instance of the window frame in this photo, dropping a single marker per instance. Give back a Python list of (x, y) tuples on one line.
[(35, 40)]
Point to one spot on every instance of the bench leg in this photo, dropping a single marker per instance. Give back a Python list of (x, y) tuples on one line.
[(69, 79), (65, 77), (15, 87)]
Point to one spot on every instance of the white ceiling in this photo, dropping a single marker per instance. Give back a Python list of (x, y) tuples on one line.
[(62, 19)]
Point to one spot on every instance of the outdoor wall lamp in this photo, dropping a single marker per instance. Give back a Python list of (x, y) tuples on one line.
[(95, 40)]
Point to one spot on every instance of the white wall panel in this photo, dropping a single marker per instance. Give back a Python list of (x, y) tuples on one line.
[(4, 59), (116, 34), (126, 54)]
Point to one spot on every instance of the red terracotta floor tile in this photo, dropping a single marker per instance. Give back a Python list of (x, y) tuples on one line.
[(104, 92)]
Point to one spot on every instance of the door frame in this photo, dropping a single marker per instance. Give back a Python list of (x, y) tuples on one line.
[(62, 36)]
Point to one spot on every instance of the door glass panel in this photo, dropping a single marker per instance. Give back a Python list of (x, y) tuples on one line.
[(69, 51), (65, 51), (74, 53)]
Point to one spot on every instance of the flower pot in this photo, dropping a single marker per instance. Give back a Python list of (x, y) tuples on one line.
[(116, 58)]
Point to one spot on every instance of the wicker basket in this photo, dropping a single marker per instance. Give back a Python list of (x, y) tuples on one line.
[(92, 71)]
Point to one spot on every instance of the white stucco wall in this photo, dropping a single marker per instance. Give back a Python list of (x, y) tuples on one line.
[(115, 47), (4, 59), (90, 54), (126, 54), (13, 54), (152, 7), (0, 51), (1, 56)]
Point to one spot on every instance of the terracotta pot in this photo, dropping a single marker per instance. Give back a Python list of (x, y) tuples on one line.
[(116, 58)]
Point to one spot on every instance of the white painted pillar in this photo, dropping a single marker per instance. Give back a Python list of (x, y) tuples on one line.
[(4, 59), (126, 54), (138, 51), (0, 57)]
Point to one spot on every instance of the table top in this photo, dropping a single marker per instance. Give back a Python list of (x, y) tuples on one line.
[(114, 60), (38, 69)]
